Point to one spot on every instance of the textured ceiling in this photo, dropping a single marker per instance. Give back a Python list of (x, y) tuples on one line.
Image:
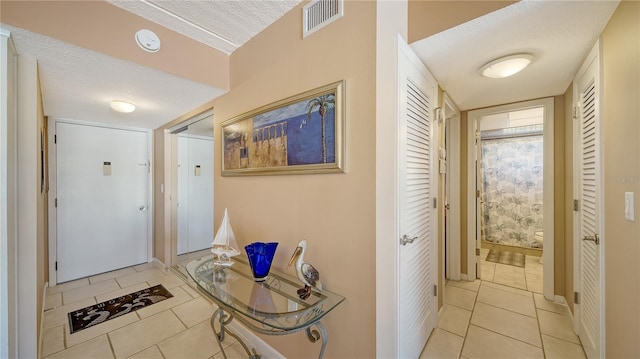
[(79, 84), (222, 24), (558, 33)]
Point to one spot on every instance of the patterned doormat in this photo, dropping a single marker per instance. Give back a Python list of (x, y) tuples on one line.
[(506, 257), (98, 313)]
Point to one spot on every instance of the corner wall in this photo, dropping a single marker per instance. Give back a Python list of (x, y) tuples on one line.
[(31, 209), (621, 162), (335, 213)]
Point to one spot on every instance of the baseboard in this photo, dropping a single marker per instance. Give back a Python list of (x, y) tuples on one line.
[(248, 337), (41, 333), (158, 263), (463, 276)]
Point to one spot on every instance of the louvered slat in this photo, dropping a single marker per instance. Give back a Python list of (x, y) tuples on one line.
[(589, 210), (417, 218)]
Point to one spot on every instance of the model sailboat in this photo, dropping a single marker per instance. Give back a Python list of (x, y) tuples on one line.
[(224, 244)]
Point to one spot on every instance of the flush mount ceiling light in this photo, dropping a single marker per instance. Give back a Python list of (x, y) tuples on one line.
[(148, 40), (506, 66), (122, 106)]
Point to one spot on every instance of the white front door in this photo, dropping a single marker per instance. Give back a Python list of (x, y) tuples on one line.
[(102, 180), (589, 241), (417, 217)]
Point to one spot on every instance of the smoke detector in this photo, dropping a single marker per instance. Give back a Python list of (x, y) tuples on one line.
[(148, 40)]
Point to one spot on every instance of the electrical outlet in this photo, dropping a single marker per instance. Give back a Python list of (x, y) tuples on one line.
[(629, 206)]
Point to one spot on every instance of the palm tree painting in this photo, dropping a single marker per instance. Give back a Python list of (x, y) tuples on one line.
[(299, 134), (322, 103)]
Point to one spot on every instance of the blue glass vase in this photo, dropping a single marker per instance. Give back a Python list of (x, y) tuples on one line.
[(260, 258)]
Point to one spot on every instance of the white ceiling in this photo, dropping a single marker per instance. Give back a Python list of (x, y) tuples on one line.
[(78, 84), (222, 24), (558, 33)]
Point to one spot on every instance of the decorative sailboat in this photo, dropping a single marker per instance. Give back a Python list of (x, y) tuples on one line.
[(224, 244)]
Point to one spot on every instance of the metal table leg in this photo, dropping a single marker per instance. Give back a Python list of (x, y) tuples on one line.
[(224, 319), (315, 335)]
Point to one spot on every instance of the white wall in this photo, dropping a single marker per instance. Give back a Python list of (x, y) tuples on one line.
[(28, 195), (8, 204)]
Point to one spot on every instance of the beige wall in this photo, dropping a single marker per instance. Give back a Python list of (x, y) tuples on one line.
[(31, 209), (621, 160), (568, 196), (90, 24), (429, 17), (335, 213), (559, 193)]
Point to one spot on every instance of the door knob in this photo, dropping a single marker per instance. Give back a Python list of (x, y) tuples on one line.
[(142, 208), (595, 238), (405, 239)]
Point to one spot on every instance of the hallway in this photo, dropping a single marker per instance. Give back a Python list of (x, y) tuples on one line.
[(482, 319)]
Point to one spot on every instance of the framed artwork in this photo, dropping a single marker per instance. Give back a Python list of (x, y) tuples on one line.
[(298, 135)]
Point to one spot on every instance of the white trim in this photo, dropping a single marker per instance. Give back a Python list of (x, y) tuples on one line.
[(548, 174), (452, 225), (53, 191), (465, 277)]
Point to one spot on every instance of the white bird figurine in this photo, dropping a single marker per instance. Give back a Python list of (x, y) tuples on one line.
[(308, 275)]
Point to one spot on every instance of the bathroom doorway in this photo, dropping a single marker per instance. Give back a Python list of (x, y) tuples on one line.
[(512, 189)]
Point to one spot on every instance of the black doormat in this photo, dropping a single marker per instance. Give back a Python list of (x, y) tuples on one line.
[(506, 257), (98, 313)]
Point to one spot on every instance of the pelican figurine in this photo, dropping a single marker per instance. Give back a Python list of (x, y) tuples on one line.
[(308, 275)]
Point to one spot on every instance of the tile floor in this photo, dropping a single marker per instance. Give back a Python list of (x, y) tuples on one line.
[(527, 278), (174, 328), (501, 316), (484, 319)]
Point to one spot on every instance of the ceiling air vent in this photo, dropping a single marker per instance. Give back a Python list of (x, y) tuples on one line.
[(320, 13)]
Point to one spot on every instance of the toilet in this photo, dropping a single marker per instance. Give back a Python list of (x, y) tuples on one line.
[(539, 237)]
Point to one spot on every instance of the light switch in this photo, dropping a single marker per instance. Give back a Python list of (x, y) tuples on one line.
[(629, 212), (198, 170)]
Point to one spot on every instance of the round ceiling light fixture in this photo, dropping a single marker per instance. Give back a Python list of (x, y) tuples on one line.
[(506, 66), (148, 40), (123, 106)]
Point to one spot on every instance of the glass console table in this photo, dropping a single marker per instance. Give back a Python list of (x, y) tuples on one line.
[(271, 307)]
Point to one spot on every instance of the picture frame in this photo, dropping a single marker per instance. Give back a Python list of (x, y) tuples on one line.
[(301, 134)]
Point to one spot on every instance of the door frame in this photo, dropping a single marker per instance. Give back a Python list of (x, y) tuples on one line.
[(593, 56), (548, 185), (451, 116), (53, 191)]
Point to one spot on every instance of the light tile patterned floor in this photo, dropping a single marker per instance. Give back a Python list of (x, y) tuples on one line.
[(174, 328), (482, 319)]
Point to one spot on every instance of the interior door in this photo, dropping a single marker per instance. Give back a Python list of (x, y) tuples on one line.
[(102, 198), (195, 185), (200, 170), (417, 216), (589, 310)]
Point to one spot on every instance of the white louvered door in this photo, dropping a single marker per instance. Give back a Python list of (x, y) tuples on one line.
[(589, 309), (417, 189)]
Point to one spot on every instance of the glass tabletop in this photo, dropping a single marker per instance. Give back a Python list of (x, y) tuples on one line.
[(274, 302)]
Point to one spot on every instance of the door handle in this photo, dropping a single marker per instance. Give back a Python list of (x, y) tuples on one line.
[(142, 208), (405, 239), (595, 238)]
